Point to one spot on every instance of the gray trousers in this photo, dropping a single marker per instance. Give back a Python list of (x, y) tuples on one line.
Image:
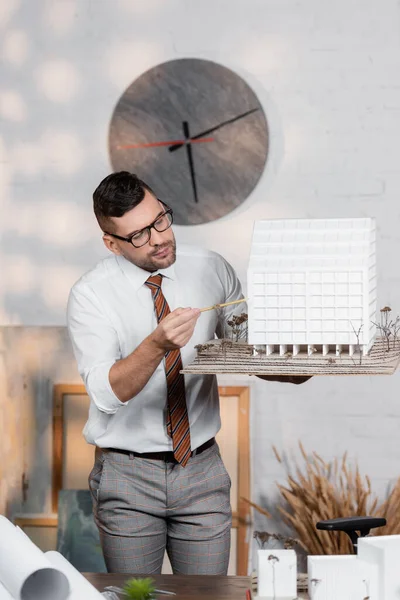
[(143, 507)]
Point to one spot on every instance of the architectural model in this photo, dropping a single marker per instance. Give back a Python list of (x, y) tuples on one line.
[(372, 574), (312, 282), (312, 305)]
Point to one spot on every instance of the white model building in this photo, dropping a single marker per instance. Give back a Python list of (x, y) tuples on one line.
[(372, 574), (312, 282)]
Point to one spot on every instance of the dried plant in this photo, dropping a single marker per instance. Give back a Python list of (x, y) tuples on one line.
[(224, 346), (264, 537), (388, 327), (203, 347), (323, 491), (357, 333), (238, 325)]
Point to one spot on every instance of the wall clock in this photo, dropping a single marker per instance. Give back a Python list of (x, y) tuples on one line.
[(196, 133)]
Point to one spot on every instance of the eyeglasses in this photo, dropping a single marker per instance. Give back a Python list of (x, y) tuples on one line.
[(142, 237)]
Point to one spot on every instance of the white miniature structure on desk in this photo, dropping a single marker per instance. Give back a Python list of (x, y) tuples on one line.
[(341, 578), (277, 574), (384, 552), (312, 283), (372, 574)]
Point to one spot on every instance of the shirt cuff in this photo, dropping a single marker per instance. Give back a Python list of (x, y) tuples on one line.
[(99, 389)]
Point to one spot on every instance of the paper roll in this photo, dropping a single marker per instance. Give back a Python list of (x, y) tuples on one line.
[(27, 539), (80, 586), (25, 571), (5, 594)]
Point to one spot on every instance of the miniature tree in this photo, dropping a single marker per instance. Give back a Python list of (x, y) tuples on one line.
[(264, 537), (238, 329), (357, 333), (389, 328)]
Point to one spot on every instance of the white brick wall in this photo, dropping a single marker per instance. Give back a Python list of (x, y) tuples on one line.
[(328, 75)]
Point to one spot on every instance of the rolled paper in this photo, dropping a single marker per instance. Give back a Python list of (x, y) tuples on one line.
[(27, 539), (5, 594), (81, 589), (25, 571)]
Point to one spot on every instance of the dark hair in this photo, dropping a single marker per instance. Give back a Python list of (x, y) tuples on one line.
[(117, 194)]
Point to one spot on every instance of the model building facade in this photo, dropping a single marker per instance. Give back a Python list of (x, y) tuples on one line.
[(312, 282)]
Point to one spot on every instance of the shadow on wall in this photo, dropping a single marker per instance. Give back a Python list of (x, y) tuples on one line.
[(54, 139), (69, 60)]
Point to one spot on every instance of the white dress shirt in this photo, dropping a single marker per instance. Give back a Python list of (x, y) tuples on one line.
[(111, 311)]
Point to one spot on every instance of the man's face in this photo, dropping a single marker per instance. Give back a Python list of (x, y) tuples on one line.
[(160, 250)]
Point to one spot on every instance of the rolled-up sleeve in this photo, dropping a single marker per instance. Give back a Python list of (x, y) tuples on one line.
[(96, 347)]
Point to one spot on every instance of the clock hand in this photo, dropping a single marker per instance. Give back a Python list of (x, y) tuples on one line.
[(177, 145), (154, 144), (190, 158)]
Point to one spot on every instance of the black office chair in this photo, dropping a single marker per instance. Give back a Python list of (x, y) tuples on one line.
[(355, 527)]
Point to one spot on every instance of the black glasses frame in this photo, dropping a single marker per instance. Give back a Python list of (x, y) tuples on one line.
[(169, 211)]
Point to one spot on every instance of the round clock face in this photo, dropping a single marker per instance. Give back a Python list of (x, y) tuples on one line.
[(196, 133)]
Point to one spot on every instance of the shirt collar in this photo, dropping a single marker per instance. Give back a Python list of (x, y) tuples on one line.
[(138, 276)]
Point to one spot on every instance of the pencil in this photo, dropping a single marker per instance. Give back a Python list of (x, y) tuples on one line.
[(221, 305)]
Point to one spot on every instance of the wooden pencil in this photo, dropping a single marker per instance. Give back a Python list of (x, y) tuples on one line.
[(222, 305)]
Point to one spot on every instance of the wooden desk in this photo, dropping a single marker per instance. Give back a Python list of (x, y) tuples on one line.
[(195, 587)]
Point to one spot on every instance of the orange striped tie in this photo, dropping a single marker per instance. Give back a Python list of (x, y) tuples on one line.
[(177, 416)]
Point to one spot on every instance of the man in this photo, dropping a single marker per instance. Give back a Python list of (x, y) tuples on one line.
[(158, 481)]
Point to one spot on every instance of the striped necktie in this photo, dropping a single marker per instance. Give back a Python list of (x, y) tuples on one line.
[(177, 416)]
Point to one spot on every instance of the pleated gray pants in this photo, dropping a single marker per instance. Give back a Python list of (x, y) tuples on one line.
[(143, 507)]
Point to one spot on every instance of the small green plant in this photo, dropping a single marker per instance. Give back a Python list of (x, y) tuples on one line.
[(139, 588)]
